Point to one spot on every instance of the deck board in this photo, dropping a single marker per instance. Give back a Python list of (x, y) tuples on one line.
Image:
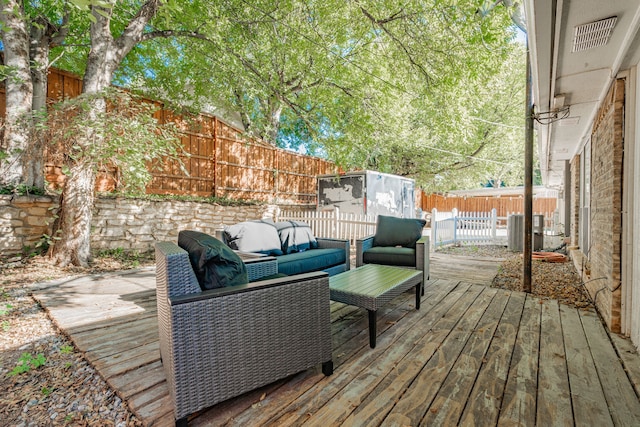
[(519, 399), (621, 399), (459, 324), (483, 403), (554, 395), (454, 393), (471, 355), (589, 403)]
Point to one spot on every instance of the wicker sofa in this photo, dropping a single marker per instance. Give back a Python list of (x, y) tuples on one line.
[(219, 343), (282, 240)]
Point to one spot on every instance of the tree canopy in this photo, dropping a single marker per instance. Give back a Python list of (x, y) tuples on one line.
[(430, 89), (427, 89)]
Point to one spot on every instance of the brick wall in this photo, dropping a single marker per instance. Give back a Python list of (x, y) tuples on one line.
[(131, 224), (575, 201), (606, 203)]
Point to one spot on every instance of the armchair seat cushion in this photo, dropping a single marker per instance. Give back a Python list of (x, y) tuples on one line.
[(312, 260), (390, 255)]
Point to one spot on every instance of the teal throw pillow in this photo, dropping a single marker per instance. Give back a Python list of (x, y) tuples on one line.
[(215, 264)]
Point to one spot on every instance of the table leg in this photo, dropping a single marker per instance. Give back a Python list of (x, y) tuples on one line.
[(372, 328), (418, 295)]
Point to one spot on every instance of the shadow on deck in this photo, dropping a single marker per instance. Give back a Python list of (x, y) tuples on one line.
[(472, 355)]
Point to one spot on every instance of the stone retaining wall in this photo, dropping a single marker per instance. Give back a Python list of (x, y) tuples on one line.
[(24, 220), (130, 224)]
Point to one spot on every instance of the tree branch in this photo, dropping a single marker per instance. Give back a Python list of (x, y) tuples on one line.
[(381, 23), (172, 33), (134, 31)]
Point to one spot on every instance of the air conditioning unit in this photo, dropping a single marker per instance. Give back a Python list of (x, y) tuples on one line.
[(515, 232)]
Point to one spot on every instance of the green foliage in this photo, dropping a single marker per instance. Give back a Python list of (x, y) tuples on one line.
[(126, 135), (26, 362), (46, 391), (66, 349), (223, 201), (22, 190), (427, 89), (5, 310), (130, 259)]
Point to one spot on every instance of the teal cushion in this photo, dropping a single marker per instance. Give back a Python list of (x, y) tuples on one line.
[(392, 231), (213, 262), (295, 236), (390, 255), (260, 236), (311, 260)]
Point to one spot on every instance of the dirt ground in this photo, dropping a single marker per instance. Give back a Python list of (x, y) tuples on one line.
[(46, 381)]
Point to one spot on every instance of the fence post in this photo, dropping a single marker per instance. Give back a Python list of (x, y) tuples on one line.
[(434, 227), (455, 226), (336, 222), (494, 223)]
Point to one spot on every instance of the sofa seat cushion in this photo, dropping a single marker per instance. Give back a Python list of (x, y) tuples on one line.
[(311, 260), (390, 255), (214, 263)]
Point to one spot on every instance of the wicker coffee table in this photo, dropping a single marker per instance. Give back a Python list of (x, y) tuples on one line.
[(372, 286)]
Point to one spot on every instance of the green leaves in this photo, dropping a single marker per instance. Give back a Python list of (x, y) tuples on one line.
[(125, 136), (428, 89), (27, 362)]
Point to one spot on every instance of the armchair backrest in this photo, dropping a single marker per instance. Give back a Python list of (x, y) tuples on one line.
[(392, 231), (175, 275)]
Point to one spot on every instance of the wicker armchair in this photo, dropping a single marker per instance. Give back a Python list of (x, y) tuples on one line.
[(220, 343), (421, 261)]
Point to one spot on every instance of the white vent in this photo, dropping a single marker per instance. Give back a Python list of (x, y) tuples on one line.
[(593, 34)]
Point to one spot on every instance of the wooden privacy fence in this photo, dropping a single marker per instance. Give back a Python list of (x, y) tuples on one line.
[(463, 227), (222, 161), (333, 223), (504, 205)]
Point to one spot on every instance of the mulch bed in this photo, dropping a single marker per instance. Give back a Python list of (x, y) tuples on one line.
[(58, 386), (549, 280)]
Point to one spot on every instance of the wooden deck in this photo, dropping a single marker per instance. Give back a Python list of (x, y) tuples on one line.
[(472, 355)]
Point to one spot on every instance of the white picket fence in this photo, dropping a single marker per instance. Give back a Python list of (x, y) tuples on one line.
[(333, 223), (450, 228)]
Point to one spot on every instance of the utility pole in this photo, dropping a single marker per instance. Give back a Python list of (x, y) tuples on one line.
[(528, 181)]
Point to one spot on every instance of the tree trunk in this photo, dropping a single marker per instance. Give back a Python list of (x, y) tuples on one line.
[(15, 167), (106, 54), (39, 49), (273, 126), (73, 227)]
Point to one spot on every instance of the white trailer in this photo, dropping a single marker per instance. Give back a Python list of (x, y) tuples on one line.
[(368, 192)]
